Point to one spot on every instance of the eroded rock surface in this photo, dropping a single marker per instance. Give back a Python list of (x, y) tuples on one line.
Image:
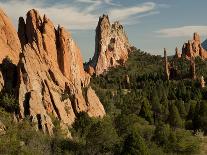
[(193, 48), (9, 41), (51, 75), (112, 46)]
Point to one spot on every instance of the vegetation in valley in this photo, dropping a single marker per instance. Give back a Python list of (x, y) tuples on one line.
[(146, 115)]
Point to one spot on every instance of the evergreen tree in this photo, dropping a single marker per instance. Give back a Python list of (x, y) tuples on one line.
[(135, 145), (145, 111), (174, 117)]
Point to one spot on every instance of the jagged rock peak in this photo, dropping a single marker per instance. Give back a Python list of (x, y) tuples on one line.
[(52, 80), (9, 41), (193, 48), (111, 46)]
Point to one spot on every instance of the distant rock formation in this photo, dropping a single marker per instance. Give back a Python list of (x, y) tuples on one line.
[(193, 48), (51, 78), (112, 46), (166, 66), (177, 53)]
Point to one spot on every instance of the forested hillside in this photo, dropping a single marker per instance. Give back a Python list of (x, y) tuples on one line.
[(146, 114), (165, 116)]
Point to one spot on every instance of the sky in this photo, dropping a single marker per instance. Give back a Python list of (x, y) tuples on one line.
[(150, 25)]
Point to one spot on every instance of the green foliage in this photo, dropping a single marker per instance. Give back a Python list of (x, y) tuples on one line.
[(135, 145), (146, 116), (9, 102), (149, 101), (174, 117), (102, 138)]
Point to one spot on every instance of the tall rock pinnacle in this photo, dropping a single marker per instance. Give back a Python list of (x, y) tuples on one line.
[(193, 48), (52, 80), (111, 46), (166, 66)]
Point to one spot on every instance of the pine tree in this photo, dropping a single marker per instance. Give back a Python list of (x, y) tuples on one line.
[(174, 117), (135, 145)]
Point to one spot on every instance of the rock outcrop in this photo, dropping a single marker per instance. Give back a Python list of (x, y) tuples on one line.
[(45, 66), (177, 53), (166, 66), (193, 48), (52, 81), (10, 49), (111, 46), (9, 41)]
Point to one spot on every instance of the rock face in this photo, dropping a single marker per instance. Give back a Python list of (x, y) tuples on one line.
[(166, 66), (193, 48), (52, 81), (177, 53), (112, 46), (9, 41)]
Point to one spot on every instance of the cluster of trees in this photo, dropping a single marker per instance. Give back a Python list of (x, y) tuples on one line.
[(145, 115)]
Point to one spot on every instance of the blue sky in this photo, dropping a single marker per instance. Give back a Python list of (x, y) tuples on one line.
[(150, 25)]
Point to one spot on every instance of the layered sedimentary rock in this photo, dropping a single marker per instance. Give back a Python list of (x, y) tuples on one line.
[(193, 48), (111, 46), (9, 41), (52, 81)]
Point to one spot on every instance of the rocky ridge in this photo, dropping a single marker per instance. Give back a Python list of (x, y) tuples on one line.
[(51, 78)]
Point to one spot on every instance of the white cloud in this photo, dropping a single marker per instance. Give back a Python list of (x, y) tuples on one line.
[(124, 13), (79, 14), (182, 31)]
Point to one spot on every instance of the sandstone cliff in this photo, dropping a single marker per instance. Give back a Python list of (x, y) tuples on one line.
[(9, 41), (111, 47), (51, 81), (193, 48)]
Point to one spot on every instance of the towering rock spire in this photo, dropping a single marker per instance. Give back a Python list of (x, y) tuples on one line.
[(166, 66), (193, 48), (192, 68), (177, 53), (52, 80), (111, 46)]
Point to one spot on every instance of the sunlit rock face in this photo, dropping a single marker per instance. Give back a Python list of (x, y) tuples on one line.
[(51, 81), (9, 41), (111, 46), (193, 48)]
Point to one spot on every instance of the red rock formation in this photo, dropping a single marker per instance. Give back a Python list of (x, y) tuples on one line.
[(177, 53), (112, 46), (9, 41), (51, 75), (166, 66), (193, 48)]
